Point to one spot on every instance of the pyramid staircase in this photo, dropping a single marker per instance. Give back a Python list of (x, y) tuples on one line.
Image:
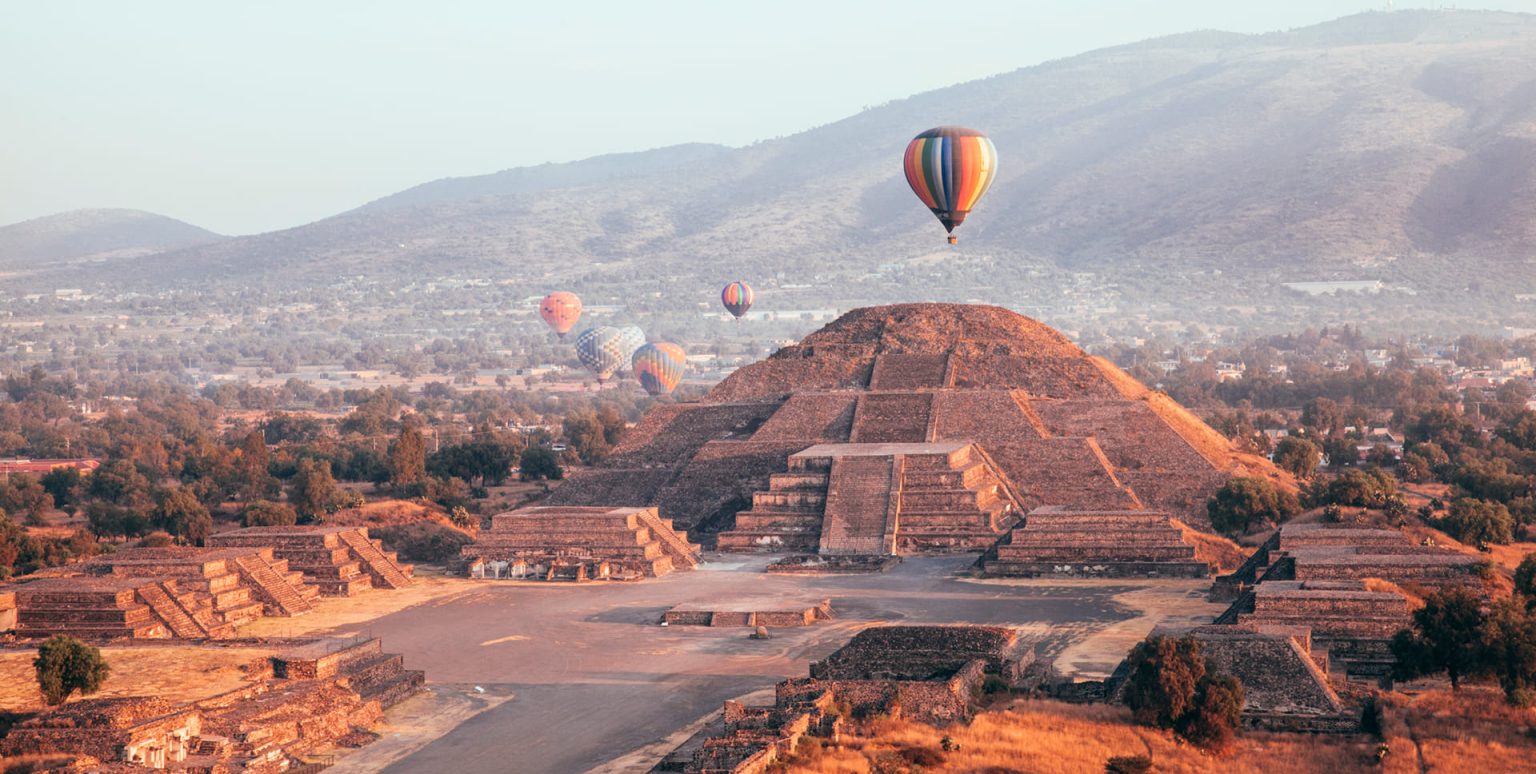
[(950, 502), (557, 542), (1057, 541), (341, 561), (283, 591), (786, 517), (383, 567)]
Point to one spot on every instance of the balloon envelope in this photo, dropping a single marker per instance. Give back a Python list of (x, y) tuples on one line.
[(949, 168), (737, 298), (600, 350), (560, 311), (659, 367), (631, 339)]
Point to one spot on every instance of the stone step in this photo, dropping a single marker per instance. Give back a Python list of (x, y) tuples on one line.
[(133, 615), (810, 500), (148, 631), (1100, 569), (821, 465), (755, 520), (797, 481), (768, 542), (1129, 553)]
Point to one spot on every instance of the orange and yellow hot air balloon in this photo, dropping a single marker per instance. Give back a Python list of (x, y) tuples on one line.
[(949, 168), (659, 367), (560, 310)]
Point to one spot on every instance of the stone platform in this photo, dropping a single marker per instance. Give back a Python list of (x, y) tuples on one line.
[(1055, 541), (244, 583), (574, 543), (768, 611), (341, 561)]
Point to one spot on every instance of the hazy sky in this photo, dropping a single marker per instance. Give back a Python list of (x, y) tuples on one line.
[(246, 117)]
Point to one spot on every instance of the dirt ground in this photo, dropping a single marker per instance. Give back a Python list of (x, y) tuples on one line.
[(175, 672), (353, 613), (596, 683)]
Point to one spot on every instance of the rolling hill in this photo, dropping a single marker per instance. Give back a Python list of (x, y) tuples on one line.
[(1393, 145), (54, 241)]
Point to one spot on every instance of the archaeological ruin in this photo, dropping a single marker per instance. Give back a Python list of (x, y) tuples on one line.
[(923, 428), (574, 543)]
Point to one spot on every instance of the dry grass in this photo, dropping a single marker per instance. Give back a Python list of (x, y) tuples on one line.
[(1047, 737), (1216, 550), (344, 615), (178, 673), (1377, 584)]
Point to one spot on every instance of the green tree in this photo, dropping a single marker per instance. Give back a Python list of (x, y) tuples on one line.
[(253, 461), (1525, 578), (1479, 522), (586, 434), (1509, 635), (1217, 709), (1322, 415), (538, 462), (63, 483), (1164, 675), (1246, 501), (65, 665), (313, 490), (408, 460), (1297, 455), (1446, 636), (265, 513), (179, 512)]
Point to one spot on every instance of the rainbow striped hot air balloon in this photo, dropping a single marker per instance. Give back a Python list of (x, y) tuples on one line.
[(560, 310), (737, 298), (659, 367), (949, 168), (600, 349)]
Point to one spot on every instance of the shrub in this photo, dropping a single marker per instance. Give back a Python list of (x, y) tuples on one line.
[(1525, 577), (1446, 637), (1298, 456), (265, 513), (1478, 522), (1245, 501), (65, 665), (1165, 672), (538, 462), (422, 541), (1128, 764), (1218, 707)]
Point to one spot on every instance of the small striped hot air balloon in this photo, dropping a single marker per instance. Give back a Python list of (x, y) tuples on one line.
[(737, 298), (949, 168), (560, 310), (600, 350), (659, 367)]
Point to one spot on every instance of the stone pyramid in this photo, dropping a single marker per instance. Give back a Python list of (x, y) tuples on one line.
[(909, 428)]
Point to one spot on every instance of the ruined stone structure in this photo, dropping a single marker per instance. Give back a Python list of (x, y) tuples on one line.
[(112, 607), (566, 543), (318, 695), (1284, 676), (927, 673), (341, 561), (1325, 578), (1057, 541), (243, 583), (912, 428), (749, 612)]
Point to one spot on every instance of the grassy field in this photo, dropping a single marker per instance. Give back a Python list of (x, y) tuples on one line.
[(1432, 732)]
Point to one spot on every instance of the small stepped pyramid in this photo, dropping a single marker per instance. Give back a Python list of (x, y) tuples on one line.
[(372, 673), (591, 542), (788, 516), (173, 611), (86, 607), (283, 591), (341, 561), (1056, 541), (211, 572), (950, 502)]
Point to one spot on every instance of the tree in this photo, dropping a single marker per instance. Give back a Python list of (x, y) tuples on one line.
[(256, 481), (63, 483), (539, 462), (1322, 415), (65, 665), (1525, 578), (1446, 636), (1165, 672), (1171, 685), (1298, 455), (1355, 488), (408, 459), (1215, 714), (1245, 501), (585, 432), (1479, 522), (1509, 635), (265, 513), (179, 512), (313, 491)]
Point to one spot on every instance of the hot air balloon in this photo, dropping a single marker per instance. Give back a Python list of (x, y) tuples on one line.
[(949, 168), (599, 349), (631, 339), (561, 310), (659, 367), (737, 298)]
